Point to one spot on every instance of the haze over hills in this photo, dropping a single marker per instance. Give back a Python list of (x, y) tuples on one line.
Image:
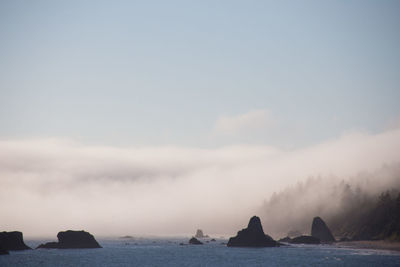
[(364, 206)]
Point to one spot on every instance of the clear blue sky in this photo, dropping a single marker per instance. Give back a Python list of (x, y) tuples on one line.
[(163, 72)]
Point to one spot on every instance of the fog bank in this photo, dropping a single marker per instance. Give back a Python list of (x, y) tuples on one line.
[(48, 185)]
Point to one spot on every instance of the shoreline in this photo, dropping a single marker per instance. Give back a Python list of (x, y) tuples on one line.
[(373, 244)]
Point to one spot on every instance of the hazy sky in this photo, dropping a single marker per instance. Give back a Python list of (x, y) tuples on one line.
[(204, 73)]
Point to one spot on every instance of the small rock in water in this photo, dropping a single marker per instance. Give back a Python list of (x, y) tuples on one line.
[(195, 241), (126, 237)]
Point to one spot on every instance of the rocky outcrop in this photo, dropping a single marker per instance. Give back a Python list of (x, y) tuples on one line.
[(199, 234), (252, 236), (320, 230), (73, 239), (305, 239), (12, 241), (195, 241)]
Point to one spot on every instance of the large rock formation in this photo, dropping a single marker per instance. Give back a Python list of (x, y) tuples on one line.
[(305, 239), (73, 239), (12, 241), (252, 236), (320, 230), (195, 241)]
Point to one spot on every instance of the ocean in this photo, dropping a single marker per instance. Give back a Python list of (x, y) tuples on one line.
[(169, 252)]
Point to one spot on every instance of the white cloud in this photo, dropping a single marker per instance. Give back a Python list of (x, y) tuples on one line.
[(253, 120)]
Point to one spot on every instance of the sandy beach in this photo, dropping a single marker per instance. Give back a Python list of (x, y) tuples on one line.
[(378, 244)]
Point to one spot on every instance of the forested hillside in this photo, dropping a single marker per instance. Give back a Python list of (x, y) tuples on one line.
[(363, 207)]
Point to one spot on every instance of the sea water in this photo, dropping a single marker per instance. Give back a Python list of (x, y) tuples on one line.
[(169, 252)]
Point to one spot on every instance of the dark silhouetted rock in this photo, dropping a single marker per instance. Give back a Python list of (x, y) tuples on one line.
[(12, 241), (252, 236), (73, 239), (320, 230), (213, 240), (285, 239), (195, 241), (305, 239), (3, 251)]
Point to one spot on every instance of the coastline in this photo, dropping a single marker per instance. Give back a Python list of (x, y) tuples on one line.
[(375, 244)]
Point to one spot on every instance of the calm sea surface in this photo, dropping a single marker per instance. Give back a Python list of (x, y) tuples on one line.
[(168, 252)]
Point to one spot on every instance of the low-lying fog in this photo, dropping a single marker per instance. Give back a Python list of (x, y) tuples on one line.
[(49, 185)]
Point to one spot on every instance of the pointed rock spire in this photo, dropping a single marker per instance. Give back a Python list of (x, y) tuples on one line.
[(320, 230)]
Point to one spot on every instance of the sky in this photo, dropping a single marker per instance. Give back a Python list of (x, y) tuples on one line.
[(154, 117), (162, 73)]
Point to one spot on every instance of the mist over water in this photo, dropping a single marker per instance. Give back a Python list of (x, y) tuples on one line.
[(48, 185)]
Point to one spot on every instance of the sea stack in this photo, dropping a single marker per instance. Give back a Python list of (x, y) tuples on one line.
[(12, 241), (252, 236), (320, 230), (73, 239)]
